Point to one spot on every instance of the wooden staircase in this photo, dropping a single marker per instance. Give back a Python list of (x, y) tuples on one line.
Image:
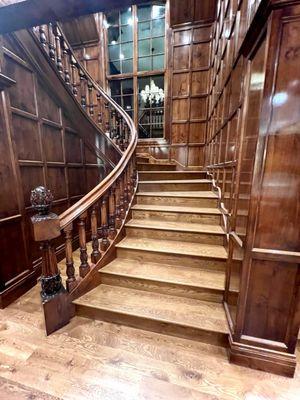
[(169, 272)]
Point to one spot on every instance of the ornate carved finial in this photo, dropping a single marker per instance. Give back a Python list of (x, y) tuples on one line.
[(41, 199)]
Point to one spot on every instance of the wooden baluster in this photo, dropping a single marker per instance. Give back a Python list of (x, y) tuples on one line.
[(121, 130), (82, 88), (58, 49), (84, 266), (112, 214), (134, 171), (129, 183), (107, 119), (51, 42), (121, 208), (71, 281), (95, 256), (133, 174), (104, 224), (65, 55), (74, 75), (43, 37), (126, 136), (99, 119), (118, 220), (125, 190), (91, 100)]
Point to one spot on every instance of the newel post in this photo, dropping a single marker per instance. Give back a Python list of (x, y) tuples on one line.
[(45, 228)]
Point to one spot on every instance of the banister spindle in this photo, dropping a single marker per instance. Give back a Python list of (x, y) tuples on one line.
[(65, 55), (107, 119), (95, 256), (91, 99), (112, 211), (129, 183), (82, 88), (118, 220), (43, 37), (58, 49), (125, 189), (71, 281), (122, 205), (51, 42), (74, 75), (99, 119), (84, 266), (104, 224)]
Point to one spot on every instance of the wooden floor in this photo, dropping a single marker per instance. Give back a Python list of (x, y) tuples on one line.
[(97, 360)]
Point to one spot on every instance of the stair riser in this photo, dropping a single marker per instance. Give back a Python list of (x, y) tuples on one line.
[(156, 167), (176, 201), (144, 176), (203, 238), (152, 325), (173, 289), (173, 187), (172, 259), (140, 159), (177, 217)]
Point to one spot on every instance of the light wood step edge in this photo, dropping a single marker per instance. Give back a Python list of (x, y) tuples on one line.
[(196, 194), (121, 245), (152, 324), (179, 181), (160, 227), (177, 209)]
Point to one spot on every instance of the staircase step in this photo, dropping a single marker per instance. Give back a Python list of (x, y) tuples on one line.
[(178, 198), (175, 185), (184, 317), (174, 248), (173, 230), (189, 282), (142, 166), (205, 215), (173, 175), (143, 159)]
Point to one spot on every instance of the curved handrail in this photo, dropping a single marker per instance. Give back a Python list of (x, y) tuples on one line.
[(62, 54)]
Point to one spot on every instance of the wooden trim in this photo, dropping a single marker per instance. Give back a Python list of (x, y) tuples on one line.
[(276, 255), (6, 82)]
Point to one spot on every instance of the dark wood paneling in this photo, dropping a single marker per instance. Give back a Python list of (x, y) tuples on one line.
[(38, 146)]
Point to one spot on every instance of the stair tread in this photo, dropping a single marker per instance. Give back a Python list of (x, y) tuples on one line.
[(174, 247), (178, 181), (192, 194), (177, 209), (173, 172), (175, 226), (156, 306), (144, 163), (176, 274)]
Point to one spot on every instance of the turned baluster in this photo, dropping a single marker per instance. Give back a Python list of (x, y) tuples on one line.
[(74, 75), (121, 133), (71, 281), (82, 88), (125, 190), (65, 55), (90, 91), (126, 136), (58, 49), (107, 119), (111, 214), (133, 173), (99, 119), (43, 37), (51, 42), (121, 191), (84, 266), (104, 224), (95, 242), (118, 220), (129, 181)]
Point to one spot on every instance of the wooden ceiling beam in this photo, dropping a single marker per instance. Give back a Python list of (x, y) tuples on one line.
[(29, 13)]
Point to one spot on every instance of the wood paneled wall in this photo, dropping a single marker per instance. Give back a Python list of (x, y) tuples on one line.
[(192, 11), (251, 151), (38, 146)]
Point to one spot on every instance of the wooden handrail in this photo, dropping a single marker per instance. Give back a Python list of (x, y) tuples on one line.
[(100, 214)]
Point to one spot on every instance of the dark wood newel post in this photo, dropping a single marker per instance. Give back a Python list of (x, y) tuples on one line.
[(45, 228)]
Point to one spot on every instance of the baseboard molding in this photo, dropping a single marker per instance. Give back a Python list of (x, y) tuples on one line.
[(272, 361), (19, 288), (182, 167)]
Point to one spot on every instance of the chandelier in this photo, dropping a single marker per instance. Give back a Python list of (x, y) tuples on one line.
[(152, 95)]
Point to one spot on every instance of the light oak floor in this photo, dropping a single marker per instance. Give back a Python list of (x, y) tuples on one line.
[(102, 361)]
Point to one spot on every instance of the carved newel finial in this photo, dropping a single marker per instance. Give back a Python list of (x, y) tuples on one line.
[(41, 199)]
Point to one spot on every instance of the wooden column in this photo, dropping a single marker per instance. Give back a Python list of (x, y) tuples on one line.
[(71, 281)]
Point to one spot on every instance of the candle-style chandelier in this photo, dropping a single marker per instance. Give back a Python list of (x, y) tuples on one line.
[(152, 95)]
